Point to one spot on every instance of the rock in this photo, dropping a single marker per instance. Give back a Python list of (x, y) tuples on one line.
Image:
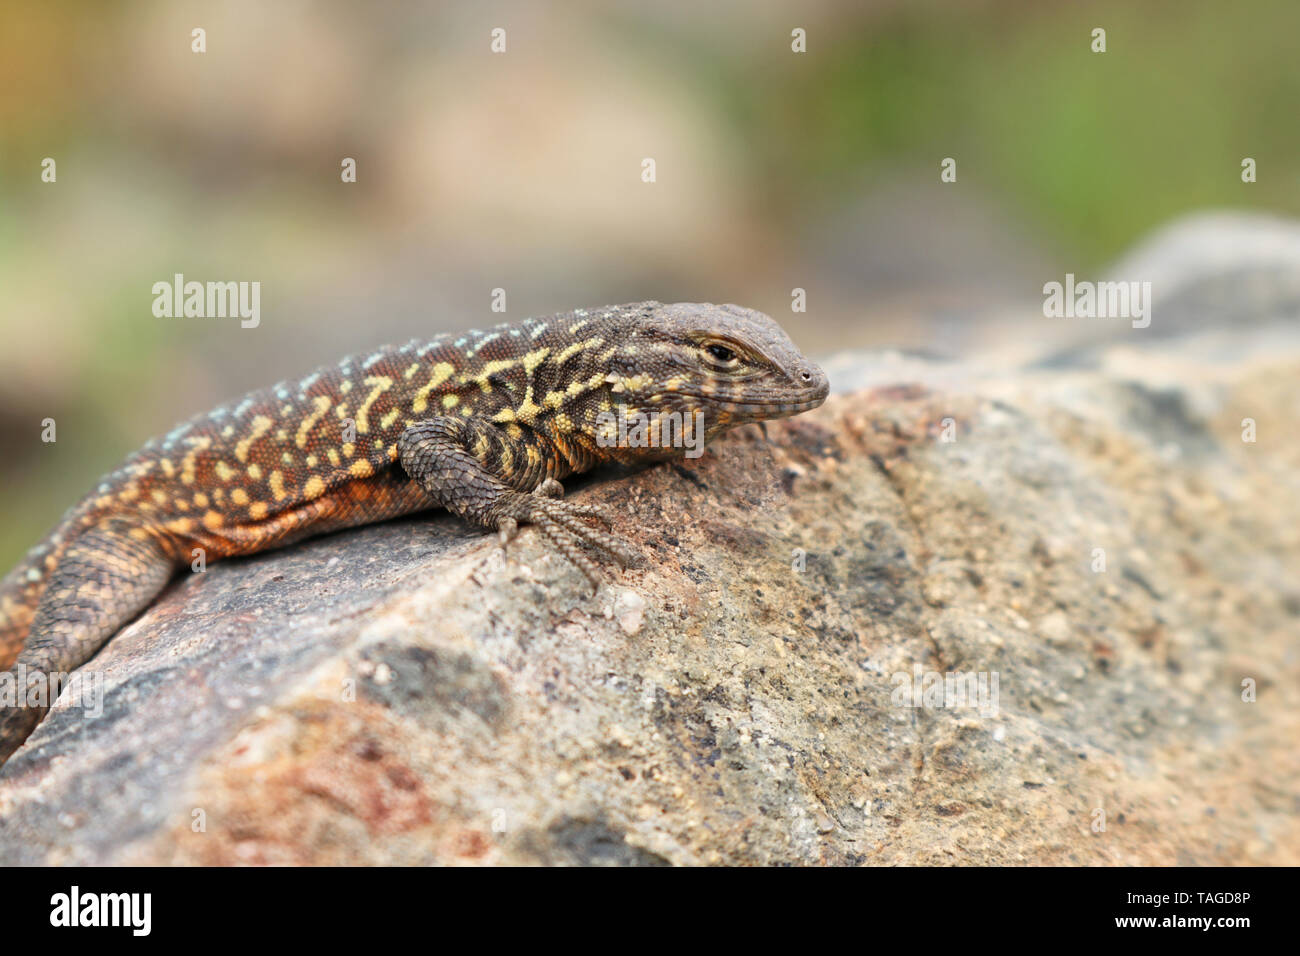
[(1093, 544)]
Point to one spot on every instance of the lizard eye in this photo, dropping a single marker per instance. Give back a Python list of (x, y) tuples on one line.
[(721, 353)]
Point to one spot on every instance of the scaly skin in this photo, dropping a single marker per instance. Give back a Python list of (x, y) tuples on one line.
[(483, 424)]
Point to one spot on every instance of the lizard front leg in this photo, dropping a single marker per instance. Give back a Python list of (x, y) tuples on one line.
[(467, 467), (107, 576)]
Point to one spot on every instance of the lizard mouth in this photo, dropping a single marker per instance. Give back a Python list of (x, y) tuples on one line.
[(776, 409), (780, 406), (763, 410)]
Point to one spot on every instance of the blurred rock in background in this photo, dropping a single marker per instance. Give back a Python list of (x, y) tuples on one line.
[(775, 170)]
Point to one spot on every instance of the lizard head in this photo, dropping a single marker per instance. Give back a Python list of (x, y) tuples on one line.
[(733, 364)]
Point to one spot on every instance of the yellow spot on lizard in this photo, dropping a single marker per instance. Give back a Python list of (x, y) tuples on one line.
[(322, 405), (261, 425), (441, 372)]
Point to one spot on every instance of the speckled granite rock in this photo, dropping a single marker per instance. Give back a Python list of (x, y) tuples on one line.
[(400, 694)]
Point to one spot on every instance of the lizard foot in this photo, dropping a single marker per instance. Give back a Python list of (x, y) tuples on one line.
[(559, 523)]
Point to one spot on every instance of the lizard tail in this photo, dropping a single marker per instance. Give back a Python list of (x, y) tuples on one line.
[(20, 593), (21, 589)]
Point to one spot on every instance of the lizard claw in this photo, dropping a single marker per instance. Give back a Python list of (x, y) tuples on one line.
[(507, 528)]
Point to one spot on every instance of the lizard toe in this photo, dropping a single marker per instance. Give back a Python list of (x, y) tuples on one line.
[(568, 544)]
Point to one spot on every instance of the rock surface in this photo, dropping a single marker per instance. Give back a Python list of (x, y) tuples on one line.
[(1096, 534)]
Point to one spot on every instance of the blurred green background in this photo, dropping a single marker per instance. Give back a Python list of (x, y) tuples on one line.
[(521, 170)]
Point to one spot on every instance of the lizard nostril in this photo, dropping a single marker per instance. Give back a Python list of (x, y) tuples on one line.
[(805, 375)]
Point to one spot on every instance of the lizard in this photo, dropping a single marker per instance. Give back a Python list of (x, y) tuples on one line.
[(483, 424)]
